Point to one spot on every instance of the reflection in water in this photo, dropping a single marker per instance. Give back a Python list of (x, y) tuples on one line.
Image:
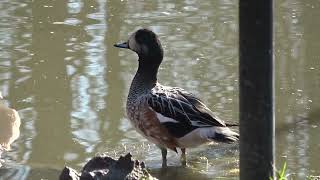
[(112, 115), (15, 70), (51, 85), (297, 48), (59, 69), (87, 81)]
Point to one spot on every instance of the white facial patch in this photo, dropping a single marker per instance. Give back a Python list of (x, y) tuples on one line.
[(133, 45)]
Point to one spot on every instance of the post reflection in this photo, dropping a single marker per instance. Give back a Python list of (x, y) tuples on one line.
[(51, 86), (296, 46), (112, 115)]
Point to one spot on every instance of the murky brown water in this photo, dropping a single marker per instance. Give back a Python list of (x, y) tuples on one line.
[(59, 69)]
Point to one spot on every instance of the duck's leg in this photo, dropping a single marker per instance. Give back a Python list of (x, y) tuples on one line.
[(183, 157), (164, 156)]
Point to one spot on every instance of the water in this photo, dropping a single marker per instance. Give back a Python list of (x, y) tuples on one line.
[(59, 69)]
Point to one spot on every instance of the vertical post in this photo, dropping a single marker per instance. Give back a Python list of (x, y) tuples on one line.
[(256, 90)]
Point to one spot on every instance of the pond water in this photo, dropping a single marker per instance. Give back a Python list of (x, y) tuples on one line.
[(59, 69)]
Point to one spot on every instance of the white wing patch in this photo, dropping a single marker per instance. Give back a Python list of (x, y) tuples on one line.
[(196, 137), (164, 119), (206, 132), (176, 106)]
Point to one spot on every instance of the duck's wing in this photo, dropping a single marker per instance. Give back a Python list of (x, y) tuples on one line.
[(180, 111)]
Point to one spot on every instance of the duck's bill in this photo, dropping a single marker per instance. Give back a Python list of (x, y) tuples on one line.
[(122, 45)]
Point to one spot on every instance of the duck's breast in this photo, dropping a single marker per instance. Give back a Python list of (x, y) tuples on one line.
[(146, 121)]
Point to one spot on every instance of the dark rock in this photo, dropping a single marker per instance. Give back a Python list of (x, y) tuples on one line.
[(106, 168)]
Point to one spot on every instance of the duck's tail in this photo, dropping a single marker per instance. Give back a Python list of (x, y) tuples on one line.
[(231, 124), (219, 134)]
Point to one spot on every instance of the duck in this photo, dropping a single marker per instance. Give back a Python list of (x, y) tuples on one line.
[(170, 117), (9, 126)]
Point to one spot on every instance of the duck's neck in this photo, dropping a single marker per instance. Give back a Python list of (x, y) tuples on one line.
[(146, 76), (147, 72)]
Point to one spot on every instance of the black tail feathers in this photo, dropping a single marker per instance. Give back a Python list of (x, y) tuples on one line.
[(231, 124), (225, 135)]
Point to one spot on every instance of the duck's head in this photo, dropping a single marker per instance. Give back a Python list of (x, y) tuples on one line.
[(146, 44)]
